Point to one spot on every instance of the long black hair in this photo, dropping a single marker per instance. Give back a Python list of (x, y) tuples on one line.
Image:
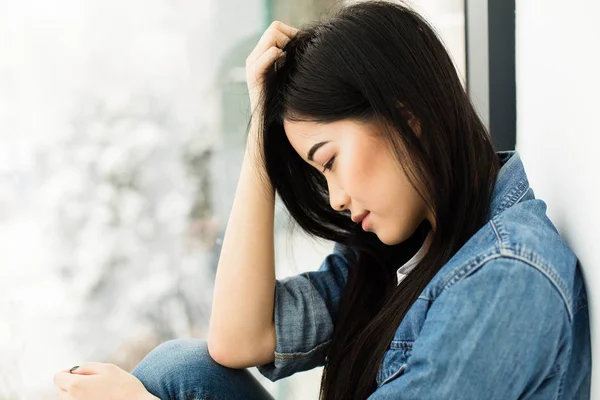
[(378, 61)]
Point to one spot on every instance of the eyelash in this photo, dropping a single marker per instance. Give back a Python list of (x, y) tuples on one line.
[(328, 165)]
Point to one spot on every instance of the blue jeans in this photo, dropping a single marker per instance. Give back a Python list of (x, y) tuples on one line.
[(182, 369)]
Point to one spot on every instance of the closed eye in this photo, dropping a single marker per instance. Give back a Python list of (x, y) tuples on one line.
[(329, 164)]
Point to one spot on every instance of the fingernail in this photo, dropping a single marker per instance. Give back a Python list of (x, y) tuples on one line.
[(73, 369)]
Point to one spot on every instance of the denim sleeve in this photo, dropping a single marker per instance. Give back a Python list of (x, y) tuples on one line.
[(305, 309), (502, 331)]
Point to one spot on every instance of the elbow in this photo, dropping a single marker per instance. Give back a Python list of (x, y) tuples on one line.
[(217, 352), (240, 355), (226, 357), (223, 354), (216, 346)]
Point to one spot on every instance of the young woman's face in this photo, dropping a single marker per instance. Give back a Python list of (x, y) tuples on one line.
[(362, 175)]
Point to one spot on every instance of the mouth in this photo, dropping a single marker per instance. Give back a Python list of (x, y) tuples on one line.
[(358, 219)]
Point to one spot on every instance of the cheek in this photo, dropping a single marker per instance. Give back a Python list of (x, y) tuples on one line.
[(366, 173)]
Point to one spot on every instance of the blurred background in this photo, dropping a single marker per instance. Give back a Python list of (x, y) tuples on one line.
[(122, 130)]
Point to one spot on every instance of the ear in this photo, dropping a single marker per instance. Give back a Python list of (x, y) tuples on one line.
[(413, 121)]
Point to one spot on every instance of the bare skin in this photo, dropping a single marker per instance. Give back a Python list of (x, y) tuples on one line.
[(242, 329), (363, 176)]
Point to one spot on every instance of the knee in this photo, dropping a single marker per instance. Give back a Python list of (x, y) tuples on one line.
[(184, 369), (174, 358)]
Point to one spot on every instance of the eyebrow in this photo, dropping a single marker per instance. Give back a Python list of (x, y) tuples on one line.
[(314, 149)]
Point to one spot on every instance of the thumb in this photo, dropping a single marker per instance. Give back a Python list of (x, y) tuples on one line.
[(89, 368)]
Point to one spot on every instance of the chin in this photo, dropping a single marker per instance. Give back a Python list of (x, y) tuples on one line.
[(389, 240), (393, 238)]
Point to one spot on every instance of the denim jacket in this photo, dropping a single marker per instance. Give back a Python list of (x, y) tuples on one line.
[(505, 318)]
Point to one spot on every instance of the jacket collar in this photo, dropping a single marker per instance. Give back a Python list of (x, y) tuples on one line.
[(511, 184)]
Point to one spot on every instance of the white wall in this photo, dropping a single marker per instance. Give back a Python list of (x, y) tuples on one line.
[(558, 131)]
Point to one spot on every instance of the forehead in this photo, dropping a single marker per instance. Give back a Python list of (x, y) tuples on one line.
[(303, 134), (301, 130)]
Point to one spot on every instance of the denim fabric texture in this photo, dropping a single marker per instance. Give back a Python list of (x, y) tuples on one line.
[(505, 318), (182, 369)]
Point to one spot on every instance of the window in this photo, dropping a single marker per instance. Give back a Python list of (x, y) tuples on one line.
[(122, 129)]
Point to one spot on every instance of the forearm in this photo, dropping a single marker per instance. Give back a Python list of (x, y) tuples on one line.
[(243, 300)]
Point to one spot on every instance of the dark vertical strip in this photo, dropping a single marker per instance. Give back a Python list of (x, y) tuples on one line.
[(503, 109)]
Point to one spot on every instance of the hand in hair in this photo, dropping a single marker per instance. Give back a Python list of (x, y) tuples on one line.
[(266, 52)]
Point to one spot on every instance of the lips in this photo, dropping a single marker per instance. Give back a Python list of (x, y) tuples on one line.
[(358, 219)]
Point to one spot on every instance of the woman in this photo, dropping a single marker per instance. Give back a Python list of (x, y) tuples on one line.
[(362, 127)]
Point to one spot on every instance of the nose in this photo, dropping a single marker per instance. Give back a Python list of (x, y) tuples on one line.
[(338, 199)]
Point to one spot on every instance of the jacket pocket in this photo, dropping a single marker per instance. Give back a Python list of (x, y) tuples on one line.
[(394, 361)]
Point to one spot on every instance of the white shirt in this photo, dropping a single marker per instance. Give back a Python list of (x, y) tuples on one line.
[(408, 266)]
